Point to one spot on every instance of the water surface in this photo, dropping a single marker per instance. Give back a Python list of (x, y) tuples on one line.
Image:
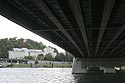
[(55, 75), (36, 75)]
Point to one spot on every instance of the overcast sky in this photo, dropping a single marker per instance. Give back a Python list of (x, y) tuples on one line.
[(8, 29)]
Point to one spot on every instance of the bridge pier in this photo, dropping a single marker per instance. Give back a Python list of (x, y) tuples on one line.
[(109, 70), (122, 68), (108, 65), (77, 67)]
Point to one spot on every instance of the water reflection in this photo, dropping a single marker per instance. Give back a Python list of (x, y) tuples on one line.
[(100, 78)]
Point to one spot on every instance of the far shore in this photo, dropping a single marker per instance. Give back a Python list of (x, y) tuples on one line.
[(51, 65)]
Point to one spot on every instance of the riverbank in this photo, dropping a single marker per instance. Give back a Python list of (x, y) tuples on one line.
[(41, 65)]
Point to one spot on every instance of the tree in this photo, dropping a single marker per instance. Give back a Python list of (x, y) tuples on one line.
[(28, 57), (40, 57), (60, 57), (69, 57), (48, 57), (8, 44)]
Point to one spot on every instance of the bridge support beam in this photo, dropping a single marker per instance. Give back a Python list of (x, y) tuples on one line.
[(106, 64)]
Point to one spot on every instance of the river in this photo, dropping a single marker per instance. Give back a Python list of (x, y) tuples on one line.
[(55, 75)]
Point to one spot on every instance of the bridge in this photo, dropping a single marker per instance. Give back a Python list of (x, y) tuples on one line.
[(92, 30)]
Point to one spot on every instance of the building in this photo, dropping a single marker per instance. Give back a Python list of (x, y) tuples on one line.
[(20, 53), (49, 50)]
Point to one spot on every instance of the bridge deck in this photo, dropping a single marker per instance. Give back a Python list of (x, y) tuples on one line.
[(86, 28)]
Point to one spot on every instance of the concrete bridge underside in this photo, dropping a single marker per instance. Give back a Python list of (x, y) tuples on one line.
[(86, 28)]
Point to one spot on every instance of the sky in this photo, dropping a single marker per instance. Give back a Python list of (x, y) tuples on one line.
[(9, 29)]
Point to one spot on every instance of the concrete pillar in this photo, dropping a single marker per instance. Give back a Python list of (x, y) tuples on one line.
[(80, 65), (122, 68), (109, 70), (101, 68), (77, 67)]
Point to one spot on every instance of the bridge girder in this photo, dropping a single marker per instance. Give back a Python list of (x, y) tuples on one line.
[(85, 28)]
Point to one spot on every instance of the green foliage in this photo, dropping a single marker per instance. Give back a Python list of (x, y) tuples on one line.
[(60, 57), (40, 57), (28, 57), (8, 44), (69, 57), (42, 65), (48, 57)]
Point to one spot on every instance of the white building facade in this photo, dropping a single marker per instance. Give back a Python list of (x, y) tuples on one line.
[(49, 50), (20, 53)]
